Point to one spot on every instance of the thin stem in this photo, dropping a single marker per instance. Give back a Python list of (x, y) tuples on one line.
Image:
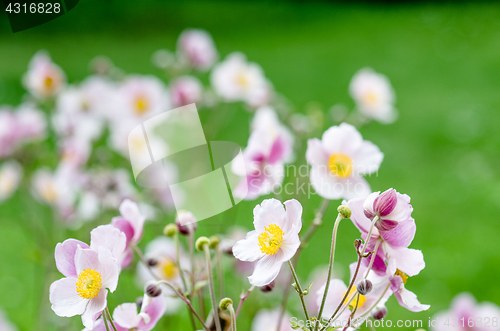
[(177, 257), (299, 289), (377, 245), (212, 290), (143, 260), (351, 284), (233, 317), (186, 300), (105, 319), (303, 243), (375, 219), (110, 319), (352, 314), (330, 267), (243, 298), (220, 273), (201, 303)]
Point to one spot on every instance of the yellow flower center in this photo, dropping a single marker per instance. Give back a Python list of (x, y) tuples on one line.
[(401, 274), (271, 239), (89, 283), (141, 105), (371, 98), (362, 298), (242, 80), (49, 82), (169, 269), (49, 193), (340, 165)]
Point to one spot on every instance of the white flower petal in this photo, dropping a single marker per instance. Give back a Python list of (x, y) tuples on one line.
[(86, 259), (248, 249), (270, 211), (315, 153), (343, 139), (94, 308), (126, 315), (108, 236), (109, 269), (266, 270), (65, 299)]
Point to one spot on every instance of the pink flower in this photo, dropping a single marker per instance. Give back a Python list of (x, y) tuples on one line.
[(390, 207), (395, 242), (262, 164), (196, 47), (90, 273), (44, 78), (186, 222), (466, 314), (185, 90), (11, 174), (274, 240), (131, 223), (126, 317), (339, 160)]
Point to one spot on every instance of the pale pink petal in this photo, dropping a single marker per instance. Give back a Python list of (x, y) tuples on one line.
[(130, 211), (108, 236), (343, 139), (155, 310), (65, 299), (315, 154), (410, 261), (125, 226), (406, 299), (402, 235), (291, 243), (335, 294), (65, 256), (109, 269), (248, 249), (94, 309), (86, 259), (367, 158), (270, 211), (126, 315), (266, 270), (293, 215)]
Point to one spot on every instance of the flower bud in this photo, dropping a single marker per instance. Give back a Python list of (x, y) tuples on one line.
[(153, 290), (186, 222), (170, 230), (214, 242), (224, 304), (344, 210), (138, 303), (267, 288), (152, 262), (201, 242), (385, 203), (379, 313), (364, 286)]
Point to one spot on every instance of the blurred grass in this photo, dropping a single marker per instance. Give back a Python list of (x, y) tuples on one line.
[(443, 61)]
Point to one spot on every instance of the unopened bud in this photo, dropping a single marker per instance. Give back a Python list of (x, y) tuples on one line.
[(379, 313), (267, 288), (153, 290), (201, 242), (364, 286), (186, 222), (170, 230), (138, 303), (152, 262), (385, 203), (224, 304), (214, 242), (344, 210)]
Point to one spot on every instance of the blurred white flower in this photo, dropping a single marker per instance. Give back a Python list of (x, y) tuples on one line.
[(185, 90), (267, 320), (339, 160), (44, 78), (20, 126), (196, 48), (5, 324), (11, 174), (373, 95), (236, 79)]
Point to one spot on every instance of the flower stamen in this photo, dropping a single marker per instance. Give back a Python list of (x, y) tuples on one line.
[(340, 165), (89, 283), (271, 239)]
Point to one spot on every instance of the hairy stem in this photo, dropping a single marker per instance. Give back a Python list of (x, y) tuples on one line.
[(110, 319), (233, 317), (212, 290), (330, 267), (299, 290)]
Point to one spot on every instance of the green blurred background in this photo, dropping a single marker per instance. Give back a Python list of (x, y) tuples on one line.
[(442, 59)]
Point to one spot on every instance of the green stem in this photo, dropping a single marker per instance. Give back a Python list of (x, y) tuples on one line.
[(110, 319), (299, 290), (105, 319), (212, 290), (330, 267), (177, 257), (233, 317), (220, 272), (377, 245)]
